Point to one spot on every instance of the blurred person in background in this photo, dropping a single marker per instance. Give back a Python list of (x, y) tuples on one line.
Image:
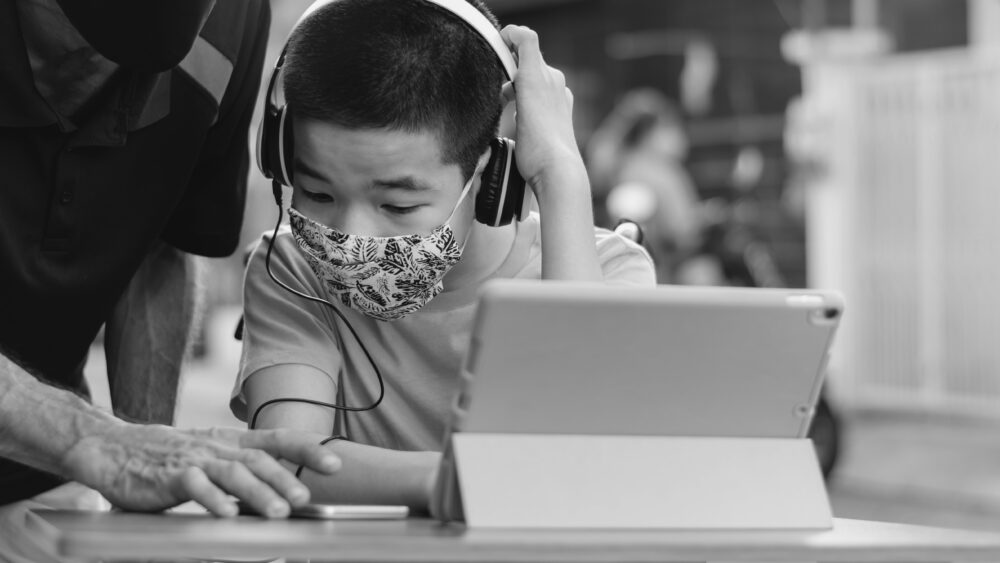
[(636, 160), (123, 135)]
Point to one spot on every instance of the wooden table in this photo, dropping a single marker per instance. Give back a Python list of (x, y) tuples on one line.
[(116, 536)]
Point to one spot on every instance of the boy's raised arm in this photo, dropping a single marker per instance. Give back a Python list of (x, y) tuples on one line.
[(550, 161)]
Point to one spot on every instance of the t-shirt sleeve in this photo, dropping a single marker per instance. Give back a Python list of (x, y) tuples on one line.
[(623, 261), (279, 327), (208, 219)]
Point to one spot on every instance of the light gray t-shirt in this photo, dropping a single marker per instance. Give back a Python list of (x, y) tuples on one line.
[(419, 356)]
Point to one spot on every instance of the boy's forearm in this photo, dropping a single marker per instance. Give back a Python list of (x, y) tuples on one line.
[(372, 475), (369, 475), (567, 224), (39, 423)]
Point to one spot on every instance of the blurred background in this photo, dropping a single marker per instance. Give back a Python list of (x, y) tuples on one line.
[(846, 144)]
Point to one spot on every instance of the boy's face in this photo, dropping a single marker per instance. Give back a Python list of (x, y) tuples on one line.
[(376, 182)]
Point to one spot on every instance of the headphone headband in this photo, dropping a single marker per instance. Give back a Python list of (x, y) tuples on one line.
[(467, 13)]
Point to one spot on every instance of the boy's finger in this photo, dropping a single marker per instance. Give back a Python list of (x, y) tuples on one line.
[(268, 470), (524, 44)]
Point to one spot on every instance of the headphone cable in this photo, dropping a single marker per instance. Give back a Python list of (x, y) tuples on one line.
[(276, 188)]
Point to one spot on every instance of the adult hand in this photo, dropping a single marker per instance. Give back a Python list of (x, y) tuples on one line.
[(544, 119), (151, 468)]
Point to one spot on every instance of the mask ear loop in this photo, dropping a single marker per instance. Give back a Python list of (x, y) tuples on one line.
[(378, 374), (461, 198)]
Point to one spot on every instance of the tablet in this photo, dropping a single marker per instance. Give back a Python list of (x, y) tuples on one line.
[(579, 358)]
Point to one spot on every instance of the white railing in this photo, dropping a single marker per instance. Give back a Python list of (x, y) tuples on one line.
[(905, 219)]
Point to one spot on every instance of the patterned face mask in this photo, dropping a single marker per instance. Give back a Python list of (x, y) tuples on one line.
[(385, 278)]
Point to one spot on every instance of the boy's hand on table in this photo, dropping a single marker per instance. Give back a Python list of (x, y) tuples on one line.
[(151, 468), (544, 119)]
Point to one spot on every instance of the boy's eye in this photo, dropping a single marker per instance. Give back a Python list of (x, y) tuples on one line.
[(318, 197), (401, 209)]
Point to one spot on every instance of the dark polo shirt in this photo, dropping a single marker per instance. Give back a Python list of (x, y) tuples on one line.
[(163, 157)]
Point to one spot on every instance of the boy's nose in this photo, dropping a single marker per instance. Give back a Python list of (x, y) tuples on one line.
[(355, 222)]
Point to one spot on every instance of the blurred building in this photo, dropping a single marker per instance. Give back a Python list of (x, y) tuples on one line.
[(900, 134)]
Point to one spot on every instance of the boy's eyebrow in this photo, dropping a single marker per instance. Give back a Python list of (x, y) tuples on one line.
[(302, 168), (408, 183), (404, 183)]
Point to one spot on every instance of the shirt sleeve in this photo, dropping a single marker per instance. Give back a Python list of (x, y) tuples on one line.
[(209, 217), (624, 262), (279, 327)]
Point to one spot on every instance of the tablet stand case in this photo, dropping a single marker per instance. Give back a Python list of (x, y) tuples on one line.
[(563, 481)]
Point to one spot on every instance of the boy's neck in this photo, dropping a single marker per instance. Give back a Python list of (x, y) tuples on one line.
[(485, 251)]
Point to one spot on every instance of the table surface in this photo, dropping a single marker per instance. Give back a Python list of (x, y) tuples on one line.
[(120, 535)]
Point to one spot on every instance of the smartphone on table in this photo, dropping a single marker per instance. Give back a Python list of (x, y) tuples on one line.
[(320, 511)]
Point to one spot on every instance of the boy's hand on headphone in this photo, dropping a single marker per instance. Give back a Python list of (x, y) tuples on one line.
[(544, 119)]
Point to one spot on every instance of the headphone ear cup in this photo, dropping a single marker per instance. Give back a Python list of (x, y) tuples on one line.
[(501, 191), (274, 145), (287, 155)]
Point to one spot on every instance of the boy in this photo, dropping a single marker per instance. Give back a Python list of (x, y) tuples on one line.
[(394, 104)]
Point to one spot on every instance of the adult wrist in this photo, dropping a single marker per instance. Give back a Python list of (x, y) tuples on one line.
[(93, 451)]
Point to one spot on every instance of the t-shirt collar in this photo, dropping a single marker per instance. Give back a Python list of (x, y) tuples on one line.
[(128, 101)]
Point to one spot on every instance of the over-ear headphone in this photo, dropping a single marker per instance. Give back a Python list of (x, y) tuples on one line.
[(501, 195)]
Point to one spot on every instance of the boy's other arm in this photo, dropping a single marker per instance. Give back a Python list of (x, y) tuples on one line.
[(369, 474), (550, 161)]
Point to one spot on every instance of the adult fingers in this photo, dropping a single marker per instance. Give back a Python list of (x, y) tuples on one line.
[(268, 470), (523, 41), (195, 485), (296, 447), (237, 480)]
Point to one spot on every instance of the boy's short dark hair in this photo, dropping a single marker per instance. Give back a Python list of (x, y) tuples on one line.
[(399, 64)]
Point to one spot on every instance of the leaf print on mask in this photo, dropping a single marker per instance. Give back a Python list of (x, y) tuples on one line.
[(431, 261), (382, 285), (446, 240), (372, 294), (364, 250), (336, 286), (335, 238), (409, 288)]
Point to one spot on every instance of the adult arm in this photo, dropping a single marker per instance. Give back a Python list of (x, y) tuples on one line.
[(149, 333), (149, 468), (369, 474)]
